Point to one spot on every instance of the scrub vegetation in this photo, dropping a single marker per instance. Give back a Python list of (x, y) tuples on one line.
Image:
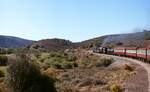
[(73, 70)]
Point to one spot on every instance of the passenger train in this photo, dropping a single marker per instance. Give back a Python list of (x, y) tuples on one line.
[(133, 52)]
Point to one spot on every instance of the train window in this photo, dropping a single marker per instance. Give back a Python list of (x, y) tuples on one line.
[(131, 51), (148, 52), (119, 50), (141, 51)]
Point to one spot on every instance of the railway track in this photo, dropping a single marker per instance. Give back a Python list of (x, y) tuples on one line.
[(144, 65)]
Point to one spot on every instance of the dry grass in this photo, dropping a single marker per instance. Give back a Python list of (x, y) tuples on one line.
[(116, 88), (88, 77), (96, 74), (93, 80), (3, 88), (138, 82), (128, 67)]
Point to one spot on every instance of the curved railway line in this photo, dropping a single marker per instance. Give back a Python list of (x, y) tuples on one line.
[(146, 66)]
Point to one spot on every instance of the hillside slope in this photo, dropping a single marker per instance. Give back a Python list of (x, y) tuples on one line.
[(91, 42), (131, 39), (13, 42), (52, 44), (139, 39)]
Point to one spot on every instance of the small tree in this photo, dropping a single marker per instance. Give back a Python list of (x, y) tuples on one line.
[(24, 76), (2, 74), (3, 60)]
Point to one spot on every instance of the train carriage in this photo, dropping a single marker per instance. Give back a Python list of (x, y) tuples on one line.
[(100, 49), (119, 51), (134, 52), (131, 51), (110, 51), (148, 54), (142, 53)]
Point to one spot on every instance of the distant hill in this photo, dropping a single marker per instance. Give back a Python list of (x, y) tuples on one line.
[(91, 42), (52, 44), (131, 39), (139, 39), (13, 42)]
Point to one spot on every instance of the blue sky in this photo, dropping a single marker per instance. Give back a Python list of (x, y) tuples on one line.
[(75, 20)]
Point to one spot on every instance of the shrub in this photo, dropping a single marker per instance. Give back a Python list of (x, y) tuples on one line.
[(60, 64), (51, 72), (56, 65), (54, 62), (91, 81), (85, 63), (75, 64), (24, 76), (58, 60), (67, 65), (115, 88), (104, 62), (6, 51), (2, 74), (71, 58), (43, 57), (128, 67), (3, 60)]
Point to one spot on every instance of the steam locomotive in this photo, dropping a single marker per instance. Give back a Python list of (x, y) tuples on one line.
[(133, 52)]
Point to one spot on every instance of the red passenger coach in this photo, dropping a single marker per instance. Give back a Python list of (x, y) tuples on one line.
[(141, 53), (131, 51), (134, 52), (148, 54), (119, 51)]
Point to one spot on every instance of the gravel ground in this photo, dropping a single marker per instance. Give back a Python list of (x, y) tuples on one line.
[(140, 82)]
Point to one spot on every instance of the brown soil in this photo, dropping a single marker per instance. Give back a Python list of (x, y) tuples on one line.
[(139, 82)]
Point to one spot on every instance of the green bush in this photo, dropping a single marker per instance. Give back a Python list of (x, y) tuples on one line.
[(58, 60), (60, 63), (54, 62), (67, 65), (85, 63), (116, 88), (71, 58), (43, 57), (24, 76), (3, 60), (2, 74), (56, 65)]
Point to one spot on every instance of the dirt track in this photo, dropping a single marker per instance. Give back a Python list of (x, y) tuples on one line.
[(144, 65)]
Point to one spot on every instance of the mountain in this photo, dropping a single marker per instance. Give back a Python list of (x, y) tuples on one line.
[(138, 39), (13, 42), (52, 44), (91, 42)]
